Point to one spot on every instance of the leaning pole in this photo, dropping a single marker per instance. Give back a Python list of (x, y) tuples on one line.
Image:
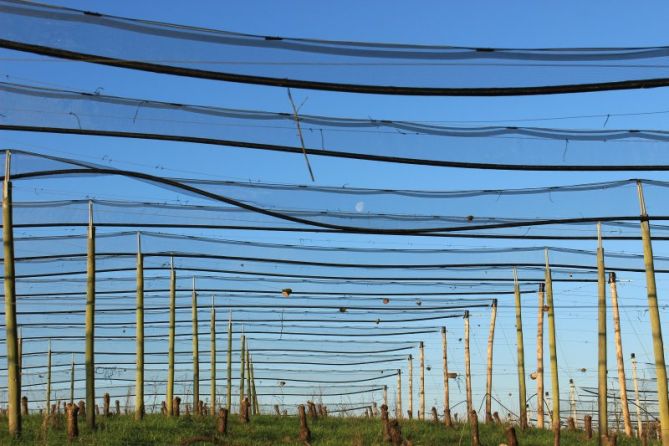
[(654, 315), (603, 415), (488, 383), (90, 320), (12, 344), (522, 393), (552, 351)]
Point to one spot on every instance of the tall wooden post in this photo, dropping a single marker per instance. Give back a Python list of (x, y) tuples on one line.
[(72, 381), (639, 421), (171, 337), (447, 404), (552, 348), (385, 395), (421, 390), (410, 389), (572, 399), (603, 415), (242, 370), (47, 409), (249, 393), (196, 353), (468, 371), (654, 316), (228, 402), (540, 359), (90, 320), (399, 394), (256, 406), (212, 354), (622, 382), (522, 393), (139, 334), (13, 378), (488, 383)]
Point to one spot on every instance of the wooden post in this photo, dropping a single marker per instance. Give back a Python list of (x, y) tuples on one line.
[(447, 404), (384, 423), (622, 382), (552, 347), (90, 320), (654, 316), (249, 393), (72, 425), (24, 405), (540, 358), (572, 398), (639, 421), (242, 370), (511, 438), (385, 395), (305, 433), (139, 334), (468, 371), (488, 383), (106, 399), (196, 350), (474, 428), (421, 390), (587, 426), (169, 399), (228, 402), (256, 406), (399, 394), (212, 354), (410, 379), (11, 345), (48, 381), (72, 381), (222, 422), (522, 394), (601, 338)]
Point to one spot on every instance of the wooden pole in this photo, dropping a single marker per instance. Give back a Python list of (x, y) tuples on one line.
[(399, 394), (601, 339), (572, 398), (488, 383), (421, 390), (196, 352), (410, 379), (90, 319), (249, 393), (468, 371), (385, 395), (552, 347), (212, 354), (11, 345), (256, 406), (139, 334), (228, 402), (655, 324), (169, 399), (522, 393), (447, 404), (540, 359), (622, 382), (47, 409), (72, 381), (242, 370), (639, 420)]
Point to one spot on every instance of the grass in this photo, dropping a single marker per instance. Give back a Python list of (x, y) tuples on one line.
[(272, 430)]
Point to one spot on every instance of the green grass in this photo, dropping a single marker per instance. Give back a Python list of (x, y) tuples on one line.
[(272, 430)]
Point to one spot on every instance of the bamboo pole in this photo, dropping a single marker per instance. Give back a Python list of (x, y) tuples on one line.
[(468, 371), (20, 360), (256, 406), (540, 359), (212, 354), (228, 401), (654, 316), (399, 394), (421, 390), (196, 353), (47, 409), (522, 393), (172, 332), (249, 393), (552, 348), (139, 334), (11, 345), (639, 421), (410, 379), (491, 341), (90, 319), (601, 338), (242, 370), (622, 382), (447, 404), (72, 381)]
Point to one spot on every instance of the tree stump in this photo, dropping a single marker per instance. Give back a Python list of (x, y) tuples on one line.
[(305, 433), (244, 415), (222, 422), (312, 410), (163, 408), (105, 405), (24, 406), (97, 410), (610, 440), (474, 428), (82, 409), (587, 426), (435, 417), (395, 433), (384, 423), (571, 424), (176, 409), (511, 438), (72, 425)]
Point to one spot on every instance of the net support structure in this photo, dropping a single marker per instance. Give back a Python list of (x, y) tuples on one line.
[(637, 399), (212, 353), (421, 383), (12, 344), (522, 392), (47, 409), (540, 357), (410, 386), (242, 370), (552, 351), (171, 341), (139, 334), (622, 382), (488, 383), (90, 320), (447, 404), (468, 371), (196, 354), (603, 415), (228, 401), (399, 394)]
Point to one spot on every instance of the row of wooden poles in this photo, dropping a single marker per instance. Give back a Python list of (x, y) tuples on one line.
[(13, 359)]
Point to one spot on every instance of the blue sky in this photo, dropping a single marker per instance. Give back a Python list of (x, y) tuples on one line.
[(488, 24)]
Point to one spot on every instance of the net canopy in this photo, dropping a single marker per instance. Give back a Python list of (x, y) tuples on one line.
[(328, 65), (41, 109)]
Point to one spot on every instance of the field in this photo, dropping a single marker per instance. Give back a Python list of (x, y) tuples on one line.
[(273, 430)]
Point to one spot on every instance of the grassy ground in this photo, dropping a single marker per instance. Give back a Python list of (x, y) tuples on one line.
[(271, 430)]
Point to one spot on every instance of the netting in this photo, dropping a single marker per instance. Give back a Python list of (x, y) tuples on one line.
[(327, 65), (519, 148)]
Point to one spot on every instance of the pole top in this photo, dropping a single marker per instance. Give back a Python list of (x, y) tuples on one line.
[(494, 303), (466, 315), (542, 287), (599, 235), (633, 356), (612, 277), (139, 242), (642, 201), (8, 163), (421, 344), (443, 330), (410, 357)]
